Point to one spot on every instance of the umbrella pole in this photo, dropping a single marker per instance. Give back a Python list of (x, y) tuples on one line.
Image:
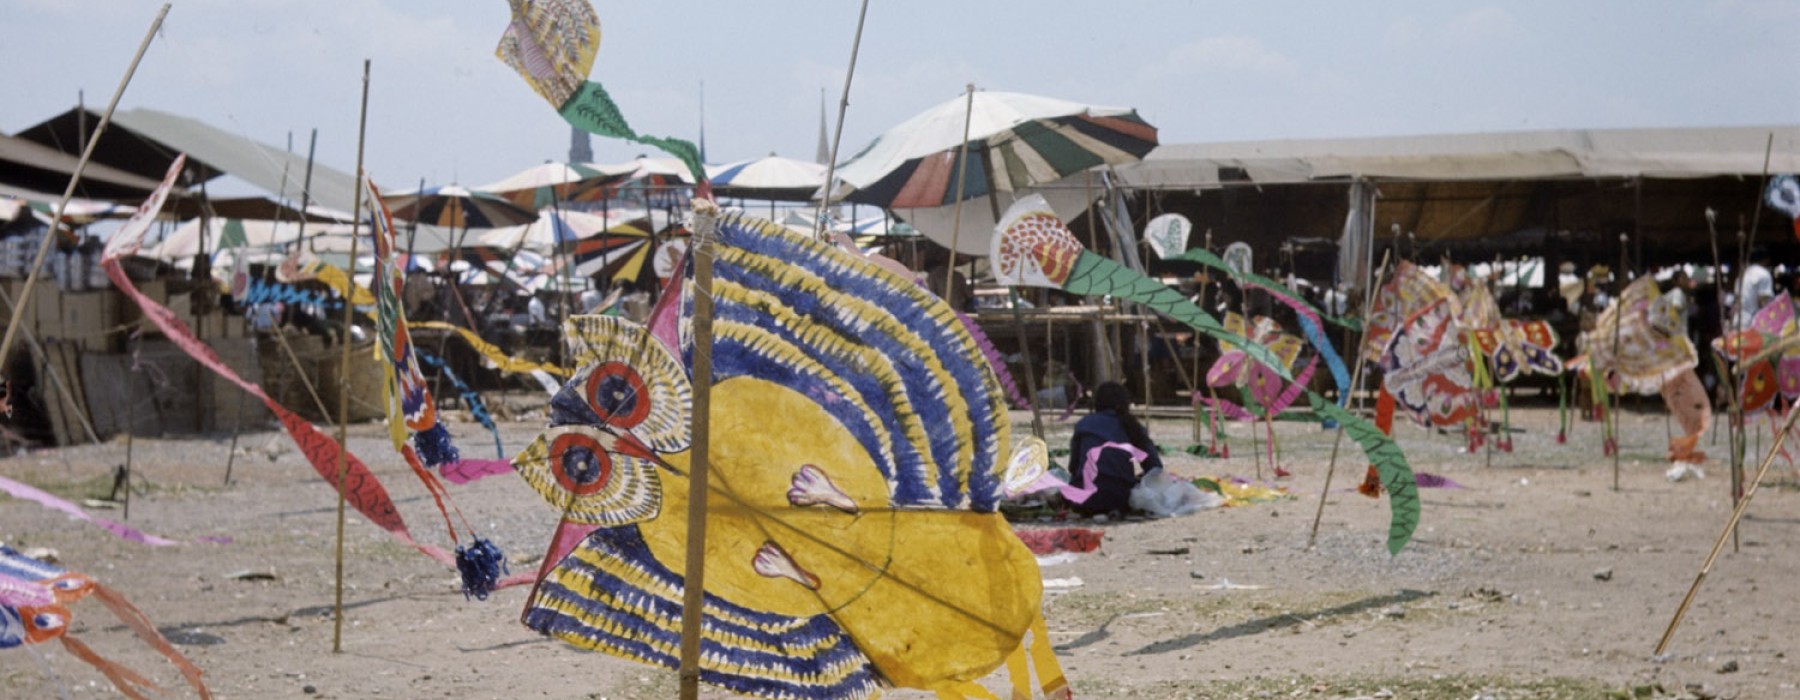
[(837, 138), (343, 464), (1037, 416), (93, 140), (962, 168)]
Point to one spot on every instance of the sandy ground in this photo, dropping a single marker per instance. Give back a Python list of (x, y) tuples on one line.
[(1537, 579)]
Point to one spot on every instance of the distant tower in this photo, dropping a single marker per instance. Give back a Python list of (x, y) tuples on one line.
[(580, 149), (824, 155)]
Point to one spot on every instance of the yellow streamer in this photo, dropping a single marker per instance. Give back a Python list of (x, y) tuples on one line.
[(501, 360)]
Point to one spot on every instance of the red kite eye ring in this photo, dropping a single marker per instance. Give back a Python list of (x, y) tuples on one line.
[(580, 464), (617, 393)]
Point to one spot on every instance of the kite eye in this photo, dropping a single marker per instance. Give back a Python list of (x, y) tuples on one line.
[(617, 394), (48, 622), (581, 464)]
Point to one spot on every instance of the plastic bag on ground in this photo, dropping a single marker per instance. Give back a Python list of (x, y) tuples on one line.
[(1163, 496)]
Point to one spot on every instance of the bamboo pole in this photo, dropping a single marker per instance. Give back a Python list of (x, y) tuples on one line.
[(694, 573), (838, 138), (20, 310), (1737, 513), (343, 464), (962, 170), (1612, 413), (1355, 382)]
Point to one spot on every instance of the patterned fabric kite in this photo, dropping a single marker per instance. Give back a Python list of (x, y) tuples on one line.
[(360, 487), (1770, 355), (412, 417), (856, 466), (1264, 392), (1515, 347), (552, 44), (1640, 344), (1412, 331), (34, 608), (1031, 246)]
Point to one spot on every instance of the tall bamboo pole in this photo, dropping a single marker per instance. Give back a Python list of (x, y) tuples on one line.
[(694, 573), (1612, 413), (838, 138), (21, 306), (1355, 383), (343, 474), (1737, 513)]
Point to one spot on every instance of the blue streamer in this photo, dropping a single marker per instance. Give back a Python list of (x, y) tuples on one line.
[(477, 407)]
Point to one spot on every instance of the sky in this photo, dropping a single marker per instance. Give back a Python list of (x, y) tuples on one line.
[(442, 108)]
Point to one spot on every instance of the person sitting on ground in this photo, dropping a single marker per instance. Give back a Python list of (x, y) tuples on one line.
[(1111, 423)]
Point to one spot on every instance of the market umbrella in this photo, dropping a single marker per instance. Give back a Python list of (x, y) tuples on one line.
[(556, 227), (649, 182), (457, 207), (541, 186), (772, 178), (1015, 141)]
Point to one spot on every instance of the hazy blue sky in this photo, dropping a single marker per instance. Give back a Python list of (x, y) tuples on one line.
[(444, 109)]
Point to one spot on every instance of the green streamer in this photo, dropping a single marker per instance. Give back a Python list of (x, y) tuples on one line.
[(1094, 275)]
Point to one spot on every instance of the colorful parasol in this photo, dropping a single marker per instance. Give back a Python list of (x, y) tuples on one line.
[(1014, 141)]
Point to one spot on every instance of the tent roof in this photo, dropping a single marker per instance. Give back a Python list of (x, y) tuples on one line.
[(145, 141), (1573, 153), (31, 165)]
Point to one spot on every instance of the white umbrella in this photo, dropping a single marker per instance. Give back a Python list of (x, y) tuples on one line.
[(773, 178)]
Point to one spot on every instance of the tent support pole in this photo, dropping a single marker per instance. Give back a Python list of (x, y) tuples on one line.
[(962, 170)]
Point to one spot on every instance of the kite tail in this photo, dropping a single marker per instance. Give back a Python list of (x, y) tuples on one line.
[(995, 360), (145, 630), (592, 110), (1096, 275), (124, 679), (477, 407)]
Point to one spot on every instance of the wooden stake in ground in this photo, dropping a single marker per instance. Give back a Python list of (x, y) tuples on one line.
[(1376, 276), (694, 574), (1612, 412), (362, 126), (19, 311), (1737, 514)]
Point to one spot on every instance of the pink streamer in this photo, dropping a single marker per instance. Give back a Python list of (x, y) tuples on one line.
[(464, 471), (125, 532)]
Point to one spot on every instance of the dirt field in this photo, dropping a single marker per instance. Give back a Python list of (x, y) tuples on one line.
[(1535, 580)]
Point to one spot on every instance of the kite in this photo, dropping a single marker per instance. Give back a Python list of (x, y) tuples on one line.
[(1784, 196), (1168, 237), (1031, 246), (1507, 348), (552, 44), (412, 418), (359, 486), (34, 608), (1263, 389), (1768, 353), (1640, 344), (856, 459)]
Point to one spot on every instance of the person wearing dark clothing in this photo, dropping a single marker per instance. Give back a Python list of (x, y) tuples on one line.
[(1111, 422)]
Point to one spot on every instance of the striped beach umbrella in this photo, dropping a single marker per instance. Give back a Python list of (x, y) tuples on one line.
[(458, 207), (1015, 141)]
